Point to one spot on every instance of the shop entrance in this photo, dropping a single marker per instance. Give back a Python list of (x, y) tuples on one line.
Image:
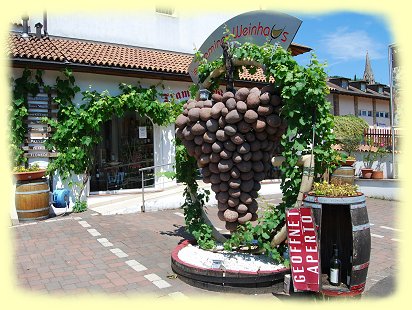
[(126, 146)]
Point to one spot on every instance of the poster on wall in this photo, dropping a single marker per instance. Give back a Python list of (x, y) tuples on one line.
[(142, 132)]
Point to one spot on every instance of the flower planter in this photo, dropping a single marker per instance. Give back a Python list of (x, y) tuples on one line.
[(342, 221), (366, 173), (30, 175), (377, 174)]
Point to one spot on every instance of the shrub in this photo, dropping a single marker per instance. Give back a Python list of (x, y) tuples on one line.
[(348, 130), (348, 127)]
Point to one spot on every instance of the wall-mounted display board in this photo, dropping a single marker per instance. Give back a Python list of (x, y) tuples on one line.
[(38, 132)]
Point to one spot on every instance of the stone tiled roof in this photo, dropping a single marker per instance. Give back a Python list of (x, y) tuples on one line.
[(96, 54), (257, 77), (101, 54), (353, 91)]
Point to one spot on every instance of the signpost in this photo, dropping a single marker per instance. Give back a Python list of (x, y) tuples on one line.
[(38, 132), (303, 249), (256, 27)]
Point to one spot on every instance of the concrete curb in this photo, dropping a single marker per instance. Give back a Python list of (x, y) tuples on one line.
[(168, 201)]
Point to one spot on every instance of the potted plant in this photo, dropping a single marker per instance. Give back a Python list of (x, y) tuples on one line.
[(348, 130), (33, 172), (378, 155), (368, 159), (350, 145)]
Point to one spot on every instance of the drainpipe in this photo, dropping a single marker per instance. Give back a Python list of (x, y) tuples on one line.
[(25, 33), (391, 67), (45, 23)]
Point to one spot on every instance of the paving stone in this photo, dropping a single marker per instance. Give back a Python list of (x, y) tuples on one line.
[(152, 277), (161, 283), (47, 253)]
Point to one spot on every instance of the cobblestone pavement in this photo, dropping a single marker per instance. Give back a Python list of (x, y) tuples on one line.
[(129, 254)]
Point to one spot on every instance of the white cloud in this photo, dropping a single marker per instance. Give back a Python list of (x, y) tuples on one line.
[(344, 45)]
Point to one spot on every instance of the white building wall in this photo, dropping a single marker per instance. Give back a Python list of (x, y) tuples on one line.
[(346, 105), (383, 106), (144, 28), (366, 104)]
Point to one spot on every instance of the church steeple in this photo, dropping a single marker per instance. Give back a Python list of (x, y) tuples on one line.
[(368, 74)]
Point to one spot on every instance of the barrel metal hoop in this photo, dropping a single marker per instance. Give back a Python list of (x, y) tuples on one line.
[(359, 287), (312, 205), (308, 171), (361, 227), (33, 192), (357, 206), (34, 218), (33, 210), (335, 200), (37, 183), (360, 267)]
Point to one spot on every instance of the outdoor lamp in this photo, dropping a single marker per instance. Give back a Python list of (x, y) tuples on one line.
[(204, 94)]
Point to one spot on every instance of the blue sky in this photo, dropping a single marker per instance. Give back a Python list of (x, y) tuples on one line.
[(342, 39)]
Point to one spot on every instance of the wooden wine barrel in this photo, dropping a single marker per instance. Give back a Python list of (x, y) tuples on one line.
[(342, 175), (343, 221), (32, 200)]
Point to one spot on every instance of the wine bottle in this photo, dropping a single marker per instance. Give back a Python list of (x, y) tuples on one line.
[(335, 267)]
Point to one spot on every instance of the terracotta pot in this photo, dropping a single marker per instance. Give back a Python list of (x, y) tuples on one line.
[(349, 162), (377, 174), (366, 173), (31, 175)]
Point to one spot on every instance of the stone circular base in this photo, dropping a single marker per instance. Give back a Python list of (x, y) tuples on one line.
[(218, 279)]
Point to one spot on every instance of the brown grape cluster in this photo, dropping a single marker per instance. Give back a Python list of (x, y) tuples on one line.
[(233, 138)]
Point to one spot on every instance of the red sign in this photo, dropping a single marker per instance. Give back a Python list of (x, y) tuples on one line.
[(303, 249)]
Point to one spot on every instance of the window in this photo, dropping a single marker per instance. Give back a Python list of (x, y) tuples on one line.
[(165, 10), (386, 114), (363, 87), (345, 84), (380, 89), (365, 113)]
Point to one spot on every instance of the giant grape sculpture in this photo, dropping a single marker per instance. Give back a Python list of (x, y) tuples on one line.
[(233, 138)]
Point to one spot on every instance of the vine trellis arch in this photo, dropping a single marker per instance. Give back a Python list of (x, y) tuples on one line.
[(303, 91)]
